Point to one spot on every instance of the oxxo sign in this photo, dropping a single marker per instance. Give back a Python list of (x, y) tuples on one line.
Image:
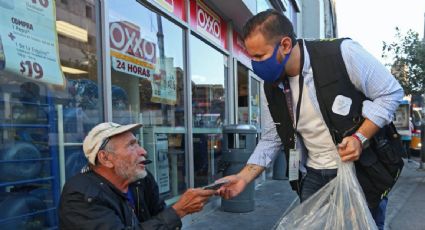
[(131, 53), (125, 38), (208, 22)]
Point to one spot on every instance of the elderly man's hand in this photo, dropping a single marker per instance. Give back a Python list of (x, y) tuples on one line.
[(191, 201)]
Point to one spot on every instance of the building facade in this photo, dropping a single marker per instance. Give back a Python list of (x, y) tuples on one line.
[(177, 66)]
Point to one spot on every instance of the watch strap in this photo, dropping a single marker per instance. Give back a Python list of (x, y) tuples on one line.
[(361, 138)]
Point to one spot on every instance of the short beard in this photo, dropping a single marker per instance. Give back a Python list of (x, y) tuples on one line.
[(123, 171), (141, 175)]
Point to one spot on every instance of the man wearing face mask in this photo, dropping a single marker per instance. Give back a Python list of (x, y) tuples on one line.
[(324, 98)]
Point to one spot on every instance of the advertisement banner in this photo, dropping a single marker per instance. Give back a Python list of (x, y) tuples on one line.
[(29, 45), (130, 52), (207, 23), (164, 83)]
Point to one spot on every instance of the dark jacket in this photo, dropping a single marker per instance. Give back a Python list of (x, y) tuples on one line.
[(379, 164), (146, 198), (89, 201)]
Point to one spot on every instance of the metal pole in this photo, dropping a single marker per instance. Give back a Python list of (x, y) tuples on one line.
[(61, 142), (422, 160)]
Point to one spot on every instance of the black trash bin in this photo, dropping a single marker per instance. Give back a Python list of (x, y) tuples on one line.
[(239, 142)]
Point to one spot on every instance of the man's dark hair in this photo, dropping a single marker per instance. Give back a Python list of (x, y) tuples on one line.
[(271, 24)]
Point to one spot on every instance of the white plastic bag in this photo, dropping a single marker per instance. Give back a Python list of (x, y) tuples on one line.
[(339, 205)]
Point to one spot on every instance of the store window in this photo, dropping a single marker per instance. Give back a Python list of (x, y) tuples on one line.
[(49, 99), (147, 75), (209, 69), (254, 100), (243, 94), (248, 97)]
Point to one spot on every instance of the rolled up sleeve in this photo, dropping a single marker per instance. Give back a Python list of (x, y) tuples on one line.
[(375, 81)]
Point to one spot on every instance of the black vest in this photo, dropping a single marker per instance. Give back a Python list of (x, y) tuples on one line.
[(331, 79)]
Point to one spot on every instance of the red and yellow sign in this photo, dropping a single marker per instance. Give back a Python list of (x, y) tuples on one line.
[(130, 52)]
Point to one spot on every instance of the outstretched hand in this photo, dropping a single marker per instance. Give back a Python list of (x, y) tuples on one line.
[(233, 188), (193, 200)]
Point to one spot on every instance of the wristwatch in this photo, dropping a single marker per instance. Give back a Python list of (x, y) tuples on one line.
[(362, 139)]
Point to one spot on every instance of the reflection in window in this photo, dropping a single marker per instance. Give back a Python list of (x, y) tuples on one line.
[(243, 87), (147, 77), (255, 111), (248, 97), (89, 11), (82, 104), (34, 112), (208, 107)]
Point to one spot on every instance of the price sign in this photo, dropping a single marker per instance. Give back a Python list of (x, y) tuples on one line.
[(28, 40), (31, 69)]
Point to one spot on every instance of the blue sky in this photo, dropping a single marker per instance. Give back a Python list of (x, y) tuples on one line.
[(370, 22)]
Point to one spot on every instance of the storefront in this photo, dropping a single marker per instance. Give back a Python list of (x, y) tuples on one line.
[(174, 65)]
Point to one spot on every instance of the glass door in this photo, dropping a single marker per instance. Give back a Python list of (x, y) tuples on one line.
[(147, 85), (243, 94), (248, 97), (208, 107), (254, 100)]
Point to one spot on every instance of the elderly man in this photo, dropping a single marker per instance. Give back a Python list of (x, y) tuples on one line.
[(104, 198)]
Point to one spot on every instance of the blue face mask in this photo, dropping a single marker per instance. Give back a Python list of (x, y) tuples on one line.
[(270, 69)]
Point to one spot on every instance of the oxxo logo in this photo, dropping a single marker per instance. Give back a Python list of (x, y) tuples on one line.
[(126, 38), (208, 22)]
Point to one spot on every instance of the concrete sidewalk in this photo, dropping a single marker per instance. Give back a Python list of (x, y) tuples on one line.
[(272, 198), (406, 206)]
